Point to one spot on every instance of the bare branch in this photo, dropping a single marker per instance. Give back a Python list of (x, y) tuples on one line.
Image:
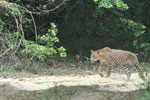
[(18, 46), (35, 30), (5, 51)]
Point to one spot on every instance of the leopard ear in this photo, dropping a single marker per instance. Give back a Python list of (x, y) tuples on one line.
[(91, 50)]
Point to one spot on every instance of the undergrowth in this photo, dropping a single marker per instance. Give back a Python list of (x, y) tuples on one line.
[(56, 66)]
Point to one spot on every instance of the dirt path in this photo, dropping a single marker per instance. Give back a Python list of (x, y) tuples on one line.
[(116, 82)]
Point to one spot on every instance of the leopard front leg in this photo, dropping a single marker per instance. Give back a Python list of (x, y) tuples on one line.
[(100, 71), (128, 73)]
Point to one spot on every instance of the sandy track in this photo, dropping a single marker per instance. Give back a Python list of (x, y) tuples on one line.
[(114, 83)]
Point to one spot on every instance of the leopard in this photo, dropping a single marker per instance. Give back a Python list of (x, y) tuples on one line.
[(113, 58)]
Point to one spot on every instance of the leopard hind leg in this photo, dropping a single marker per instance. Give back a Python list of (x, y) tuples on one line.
[(109, 72)]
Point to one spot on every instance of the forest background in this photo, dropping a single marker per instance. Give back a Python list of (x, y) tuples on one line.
[(43, 30)]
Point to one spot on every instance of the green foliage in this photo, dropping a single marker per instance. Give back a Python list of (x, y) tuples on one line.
[(112, 4), (14, 9), (45, 48), (137, 28)]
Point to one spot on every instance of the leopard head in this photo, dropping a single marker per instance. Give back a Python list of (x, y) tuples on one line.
[(99, 55), (96, 56)]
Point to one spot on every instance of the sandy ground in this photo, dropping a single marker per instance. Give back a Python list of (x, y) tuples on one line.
[(114, 83)]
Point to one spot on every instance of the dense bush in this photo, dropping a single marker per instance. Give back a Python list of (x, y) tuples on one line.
[(15, 20)]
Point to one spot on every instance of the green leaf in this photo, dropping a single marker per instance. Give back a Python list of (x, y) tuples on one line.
[(53, 25), (143, 27), (15, 9), (95, 0), (63, 54)]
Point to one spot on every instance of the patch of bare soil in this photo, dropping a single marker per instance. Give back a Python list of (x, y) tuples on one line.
[(114, 83)]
